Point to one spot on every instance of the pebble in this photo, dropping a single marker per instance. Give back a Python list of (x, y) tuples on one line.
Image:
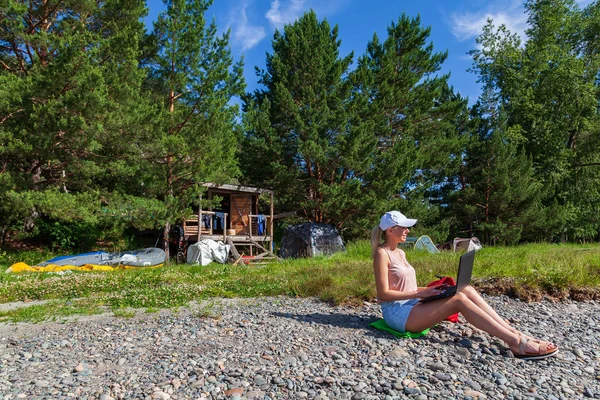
[(473, 384), (474, 394), (438, 366), (443, 377), (279, 347)]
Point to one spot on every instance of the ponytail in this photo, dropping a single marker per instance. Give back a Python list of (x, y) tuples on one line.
[(375, 240)]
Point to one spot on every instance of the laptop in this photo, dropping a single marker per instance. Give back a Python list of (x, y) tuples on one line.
[(465, 269)]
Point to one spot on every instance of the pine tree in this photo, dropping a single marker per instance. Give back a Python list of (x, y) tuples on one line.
[(548, 89), (346, 146), (193, 78), (498, 197), (417, 119), (68, 70), (303, 127)]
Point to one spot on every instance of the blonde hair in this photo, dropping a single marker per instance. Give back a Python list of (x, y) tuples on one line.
[(375, 240)]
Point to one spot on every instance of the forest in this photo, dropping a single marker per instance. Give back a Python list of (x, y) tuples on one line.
[(108, 129)]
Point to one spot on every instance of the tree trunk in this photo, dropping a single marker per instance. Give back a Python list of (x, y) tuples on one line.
[(169, 191), (3, 236), (166, 239)]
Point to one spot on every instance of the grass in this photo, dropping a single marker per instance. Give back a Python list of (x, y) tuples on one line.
[(124, 312), (209, 309), (528, 271), (54, 310)]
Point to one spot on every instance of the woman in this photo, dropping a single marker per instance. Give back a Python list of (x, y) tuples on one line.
[(399, 295)]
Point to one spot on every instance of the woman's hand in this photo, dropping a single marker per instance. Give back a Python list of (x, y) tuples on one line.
[(430, 291)]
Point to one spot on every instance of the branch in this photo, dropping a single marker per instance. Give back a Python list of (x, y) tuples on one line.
[(6, 67), (34, 166), (38, 100), (29, 53), (10, 115), (44, 17), (571, 141), (185, 121), (180, 94), (348, 213), (19, 56)]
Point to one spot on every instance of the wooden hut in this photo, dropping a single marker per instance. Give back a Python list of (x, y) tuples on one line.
[(236, 220)]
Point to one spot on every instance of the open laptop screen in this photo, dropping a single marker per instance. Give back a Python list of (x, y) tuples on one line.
[(465, 269)]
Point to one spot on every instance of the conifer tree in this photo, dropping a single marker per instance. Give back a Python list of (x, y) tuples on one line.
[(68, 73), (193, 77), (498, 197), (347, 146), (416, 116), (302, 127), (548, 88)]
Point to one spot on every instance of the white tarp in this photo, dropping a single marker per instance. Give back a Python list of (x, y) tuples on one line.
[(206, 251), (468, 244)]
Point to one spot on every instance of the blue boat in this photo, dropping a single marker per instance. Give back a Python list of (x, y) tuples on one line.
[(137, 258)]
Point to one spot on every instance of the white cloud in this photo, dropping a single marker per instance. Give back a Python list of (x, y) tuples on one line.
[(467, 25), (244, 33), (583, 3), (280, 15)]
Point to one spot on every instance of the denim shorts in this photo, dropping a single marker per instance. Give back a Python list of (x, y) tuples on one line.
[(395, 313)]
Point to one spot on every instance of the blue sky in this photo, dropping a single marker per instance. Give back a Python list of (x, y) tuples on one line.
[(454, 26)]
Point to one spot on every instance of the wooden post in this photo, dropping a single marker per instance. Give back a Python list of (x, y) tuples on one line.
[(271, 246), (209, 195), (224, 226), (200, 217), (250, 226)]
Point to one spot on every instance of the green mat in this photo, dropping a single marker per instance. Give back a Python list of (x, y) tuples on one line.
[(382, 326)]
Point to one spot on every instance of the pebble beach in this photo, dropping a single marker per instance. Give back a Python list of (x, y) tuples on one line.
[(288, 348)]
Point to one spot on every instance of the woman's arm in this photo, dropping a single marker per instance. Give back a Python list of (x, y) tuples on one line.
[(384, 293)]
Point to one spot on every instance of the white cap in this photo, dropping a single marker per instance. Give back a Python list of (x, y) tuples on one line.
[(393, 218)]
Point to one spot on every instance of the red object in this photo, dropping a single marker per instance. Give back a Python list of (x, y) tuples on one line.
[(446, 280)]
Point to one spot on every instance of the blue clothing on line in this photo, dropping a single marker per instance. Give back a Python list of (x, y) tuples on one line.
[(219, 220), (206, 221), (261, 222)]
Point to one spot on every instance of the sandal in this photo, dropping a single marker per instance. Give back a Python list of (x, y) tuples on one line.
[(530, 338), (536, 340), (544, 349)]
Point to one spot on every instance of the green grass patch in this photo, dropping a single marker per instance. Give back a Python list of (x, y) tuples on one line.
[(53, 310), (528, 271), (31, 257), (123, 312), (208, 309)]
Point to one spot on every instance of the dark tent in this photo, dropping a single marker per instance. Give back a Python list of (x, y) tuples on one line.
[(310, 239)]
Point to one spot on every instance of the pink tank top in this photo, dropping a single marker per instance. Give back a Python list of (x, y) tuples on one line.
[(401, 275)]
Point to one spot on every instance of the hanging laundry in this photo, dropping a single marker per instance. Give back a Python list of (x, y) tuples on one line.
[(219, 220), (206, 221), (261, 223)]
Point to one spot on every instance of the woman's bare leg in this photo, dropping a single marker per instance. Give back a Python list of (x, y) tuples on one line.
[(481, 303), (476, 298), (426, 315)]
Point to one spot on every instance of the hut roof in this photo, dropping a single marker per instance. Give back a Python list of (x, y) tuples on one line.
[(237, 188)]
